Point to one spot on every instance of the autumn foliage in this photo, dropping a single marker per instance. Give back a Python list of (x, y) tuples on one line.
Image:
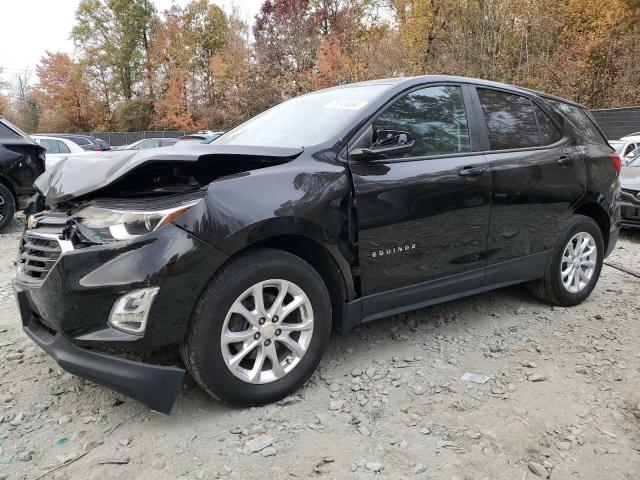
[(196, 66)]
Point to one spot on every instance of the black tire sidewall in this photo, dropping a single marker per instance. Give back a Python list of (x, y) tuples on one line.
[(584, 224), (9, 201), (210, 313)]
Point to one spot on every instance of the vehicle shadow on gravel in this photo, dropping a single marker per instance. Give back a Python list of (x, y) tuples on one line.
[(440, 319)]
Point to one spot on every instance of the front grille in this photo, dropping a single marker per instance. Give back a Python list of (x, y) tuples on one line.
[(631, 196), (37, 255), (41, 246)]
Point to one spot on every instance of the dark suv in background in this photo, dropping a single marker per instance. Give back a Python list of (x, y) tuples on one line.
[(21, 162), (327, 211), (87, 142)]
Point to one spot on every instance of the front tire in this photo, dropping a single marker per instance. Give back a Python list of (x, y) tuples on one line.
[(259, 329), (574, 264), (7, 207)]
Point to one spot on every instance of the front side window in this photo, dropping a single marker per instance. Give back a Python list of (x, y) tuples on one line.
[(433, 117), (628, 149), (510, 120)]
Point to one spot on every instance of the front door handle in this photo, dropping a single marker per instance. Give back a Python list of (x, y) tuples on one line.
[(472, 171)]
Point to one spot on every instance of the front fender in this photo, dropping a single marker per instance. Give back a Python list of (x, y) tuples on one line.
[(306, 197)]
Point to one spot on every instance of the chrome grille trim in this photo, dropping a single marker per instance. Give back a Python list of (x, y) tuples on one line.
[(40, 250)]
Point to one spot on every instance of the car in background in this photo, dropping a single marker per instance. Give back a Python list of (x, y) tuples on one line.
[(86, 142), (22, 160), (630, 193), (627, 147), (148, 143), (199, 138), (57, 148)]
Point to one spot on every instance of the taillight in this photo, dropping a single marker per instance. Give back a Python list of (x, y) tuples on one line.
[(617, 163)]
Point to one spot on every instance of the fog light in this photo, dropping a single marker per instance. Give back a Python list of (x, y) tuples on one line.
[(130, 311)]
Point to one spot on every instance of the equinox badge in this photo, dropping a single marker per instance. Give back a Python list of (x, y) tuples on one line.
[(391, 251)]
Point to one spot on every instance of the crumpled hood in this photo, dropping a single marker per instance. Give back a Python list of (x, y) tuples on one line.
[(630, 178), (79, 175)]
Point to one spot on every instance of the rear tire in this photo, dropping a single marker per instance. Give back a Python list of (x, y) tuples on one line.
[(574, 264), (7, 207), (228, 321)]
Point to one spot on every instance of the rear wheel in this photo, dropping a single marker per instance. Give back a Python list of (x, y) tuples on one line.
[(574, 265), (259, 329), (7, 207)]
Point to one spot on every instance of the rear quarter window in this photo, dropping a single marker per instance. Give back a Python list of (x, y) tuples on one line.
[(581, 121)]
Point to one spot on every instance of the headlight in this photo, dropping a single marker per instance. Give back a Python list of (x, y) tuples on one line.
[(104, 225)]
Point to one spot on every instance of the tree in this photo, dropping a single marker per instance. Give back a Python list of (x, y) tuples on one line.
[(205, 31), (26, 107), (64, 94), (112, 36)]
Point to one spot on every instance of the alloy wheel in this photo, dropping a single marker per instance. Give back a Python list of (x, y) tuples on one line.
[(267, 331), (579, 261)]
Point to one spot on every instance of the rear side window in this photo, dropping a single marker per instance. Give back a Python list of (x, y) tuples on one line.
[(581, 121), (62, 147), (434, 117), (510, 120), (549, 133), (81, 140)]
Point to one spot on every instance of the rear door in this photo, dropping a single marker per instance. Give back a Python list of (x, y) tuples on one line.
[(423, 216), (537, 175)]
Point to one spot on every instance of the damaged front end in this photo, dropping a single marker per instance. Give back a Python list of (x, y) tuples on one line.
[(104, 269)]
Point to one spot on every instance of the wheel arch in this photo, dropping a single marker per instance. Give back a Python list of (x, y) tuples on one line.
[(4, 180), (338, 282), (598, 214)]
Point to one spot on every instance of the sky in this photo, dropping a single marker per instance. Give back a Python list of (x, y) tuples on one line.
[(30, 27)]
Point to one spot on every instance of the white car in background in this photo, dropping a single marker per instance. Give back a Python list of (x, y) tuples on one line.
[(57, 148), (628, 147), (148, 143)]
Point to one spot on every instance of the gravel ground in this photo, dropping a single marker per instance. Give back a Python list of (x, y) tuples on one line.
[(561, 401)]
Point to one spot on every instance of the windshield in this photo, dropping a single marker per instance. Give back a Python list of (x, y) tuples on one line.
[(14, 128), (182, 141), (635, 162), (303, 121)]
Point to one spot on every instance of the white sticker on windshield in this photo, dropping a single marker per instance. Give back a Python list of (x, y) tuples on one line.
[(346, 104)]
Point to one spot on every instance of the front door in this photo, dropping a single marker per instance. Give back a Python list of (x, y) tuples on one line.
[(423, 215)]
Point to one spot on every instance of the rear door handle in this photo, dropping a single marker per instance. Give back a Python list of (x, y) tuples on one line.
[(472, 171)]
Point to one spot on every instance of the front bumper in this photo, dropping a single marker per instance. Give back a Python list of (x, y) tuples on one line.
[(154, 386), (630, 214), (67, 312)]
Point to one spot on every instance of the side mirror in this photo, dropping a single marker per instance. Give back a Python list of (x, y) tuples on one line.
[(388, 143)]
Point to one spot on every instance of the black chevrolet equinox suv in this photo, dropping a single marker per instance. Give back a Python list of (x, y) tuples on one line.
[(325, 212)]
